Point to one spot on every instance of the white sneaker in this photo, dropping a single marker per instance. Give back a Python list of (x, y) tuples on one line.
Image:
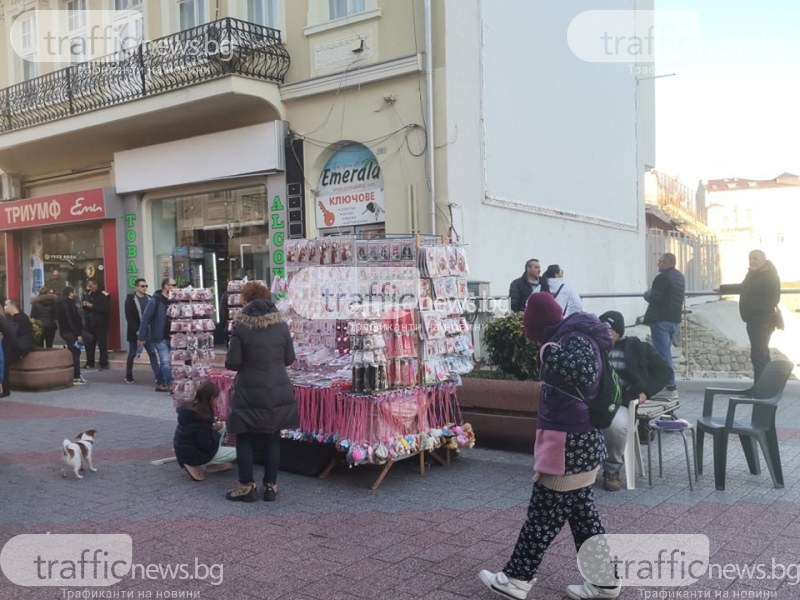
[(587, 591), (503, 585)]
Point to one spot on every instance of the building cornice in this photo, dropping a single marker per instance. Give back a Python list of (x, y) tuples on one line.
[(338, 81), (559, 214)]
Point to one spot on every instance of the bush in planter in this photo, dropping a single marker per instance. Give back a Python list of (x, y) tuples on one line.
[(38, 334), (509, 349)]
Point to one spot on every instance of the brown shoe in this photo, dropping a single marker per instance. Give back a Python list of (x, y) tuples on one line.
[(162, 388), (243, 492), (218, 467), (611, 482)]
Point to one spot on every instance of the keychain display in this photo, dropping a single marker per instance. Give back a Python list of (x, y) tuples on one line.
[(191, 324)]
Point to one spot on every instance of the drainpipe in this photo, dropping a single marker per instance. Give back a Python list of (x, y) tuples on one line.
[(429, 115)]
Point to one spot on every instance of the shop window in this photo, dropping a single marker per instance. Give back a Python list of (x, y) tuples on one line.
[(68, 256), (208, 239)]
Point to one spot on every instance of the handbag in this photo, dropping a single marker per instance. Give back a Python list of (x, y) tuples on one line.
[(778, 318)]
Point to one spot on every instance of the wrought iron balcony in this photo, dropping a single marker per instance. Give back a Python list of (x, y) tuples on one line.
[(192, 56)]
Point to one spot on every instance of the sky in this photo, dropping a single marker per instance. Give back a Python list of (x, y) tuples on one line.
[(732, 109)]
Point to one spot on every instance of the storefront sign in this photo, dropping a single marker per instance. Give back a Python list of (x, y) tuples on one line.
[(277, 232), (131, 250), (350, 189), (53, 210)]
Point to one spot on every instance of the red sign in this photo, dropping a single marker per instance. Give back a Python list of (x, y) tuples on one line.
[(53, 210)]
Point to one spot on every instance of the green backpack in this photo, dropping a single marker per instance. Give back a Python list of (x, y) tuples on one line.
[(606, 403)]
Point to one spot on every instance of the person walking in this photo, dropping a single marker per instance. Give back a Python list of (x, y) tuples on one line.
[(262, 399), (43, 309), (135, 303), (642, 373), (96, 304), (522, 287), (154, 331), (665, 305), (568, 448), (69, 323), (759, 295), (567, 297)]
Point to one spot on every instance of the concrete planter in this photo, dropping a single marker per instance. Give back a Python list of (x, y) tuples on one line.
[(46, 369), (502, 412)]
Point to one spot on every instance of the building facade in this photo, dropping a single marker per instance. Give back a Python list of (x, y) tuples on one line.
[(217, 130), (747, 214)]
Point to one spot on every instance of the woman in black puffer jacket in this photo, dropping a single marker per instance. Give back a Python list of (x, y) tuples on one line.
[(262, 397)]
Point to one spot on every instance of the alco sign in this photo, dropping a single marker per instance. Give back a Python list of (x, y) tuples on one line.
[(53, 210), (350, 190)]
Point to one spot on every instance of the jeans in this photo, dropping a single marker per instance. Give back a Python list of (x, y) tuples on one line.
[(164, 372), (759, 334), (271, 447), (663, 334), (616, 438), (151, 353)]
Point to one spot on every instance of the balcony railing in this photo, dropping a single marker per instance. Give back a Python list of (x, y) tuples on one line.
[(192, 56)]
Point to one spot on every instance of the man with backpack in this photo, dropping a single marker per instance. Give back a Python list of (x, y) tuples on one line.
[(642, 373)]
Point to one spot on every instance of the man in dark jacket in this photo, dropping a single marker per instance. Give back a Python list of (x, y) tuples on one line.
[(69, 323), (95, 306), (642, 374), (43, 309), (16, 346), (665, 305), (759, 295), (135, 303), (154, 330), (521, 288)]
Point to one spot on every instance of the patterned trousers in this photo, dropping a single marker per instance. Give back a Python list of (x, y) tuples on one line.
[(547, 513)]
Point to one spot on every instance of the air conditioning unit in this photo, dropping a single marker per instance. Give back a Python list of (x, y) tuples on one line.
[(10, 186)]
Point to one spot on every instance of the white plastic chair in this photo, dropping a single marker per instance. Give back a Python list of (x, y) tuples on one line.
[(633, 449)]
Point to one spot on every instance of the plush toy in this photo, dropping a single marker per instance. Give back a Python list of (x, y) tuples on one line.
[(381, 453)]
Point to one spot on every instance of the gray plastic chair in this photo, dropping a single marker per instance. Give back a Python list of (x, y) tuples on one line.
[(759, 430)]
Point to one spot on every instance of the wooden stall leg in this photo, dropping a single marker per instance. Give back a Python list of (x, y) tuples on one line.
[(329, 467), (382, 476), (439, 459), (422, 462)]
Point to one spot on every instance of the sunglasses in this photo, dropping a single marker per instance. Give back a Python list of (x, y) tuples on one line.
[(143, 285)]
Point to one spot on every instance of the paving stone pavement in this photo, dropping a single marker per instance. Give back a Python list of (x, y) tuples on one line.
[(414, 537)]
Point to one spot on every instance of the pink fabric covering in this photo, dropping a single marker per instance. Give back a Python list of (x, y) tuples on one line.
[(549, 452)]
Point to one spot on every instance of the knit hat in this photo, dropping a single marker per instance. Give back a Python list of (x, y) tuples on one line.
[(541, 311), (615, 320)]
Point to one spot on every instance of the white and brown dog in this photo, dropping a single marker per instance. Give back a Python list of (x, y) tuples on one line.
[(79, 451)]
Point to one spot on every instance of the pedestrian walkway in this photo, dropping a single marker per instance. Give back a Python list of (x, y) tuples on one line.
[(416, 537)]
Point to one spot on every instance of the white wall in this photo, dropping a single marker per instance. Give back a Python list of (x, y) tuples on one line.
[(559, 181)]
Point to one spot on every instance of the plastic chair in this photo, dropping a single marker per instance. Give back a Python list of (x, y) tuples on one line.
[(633, 449), (763, 397)]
